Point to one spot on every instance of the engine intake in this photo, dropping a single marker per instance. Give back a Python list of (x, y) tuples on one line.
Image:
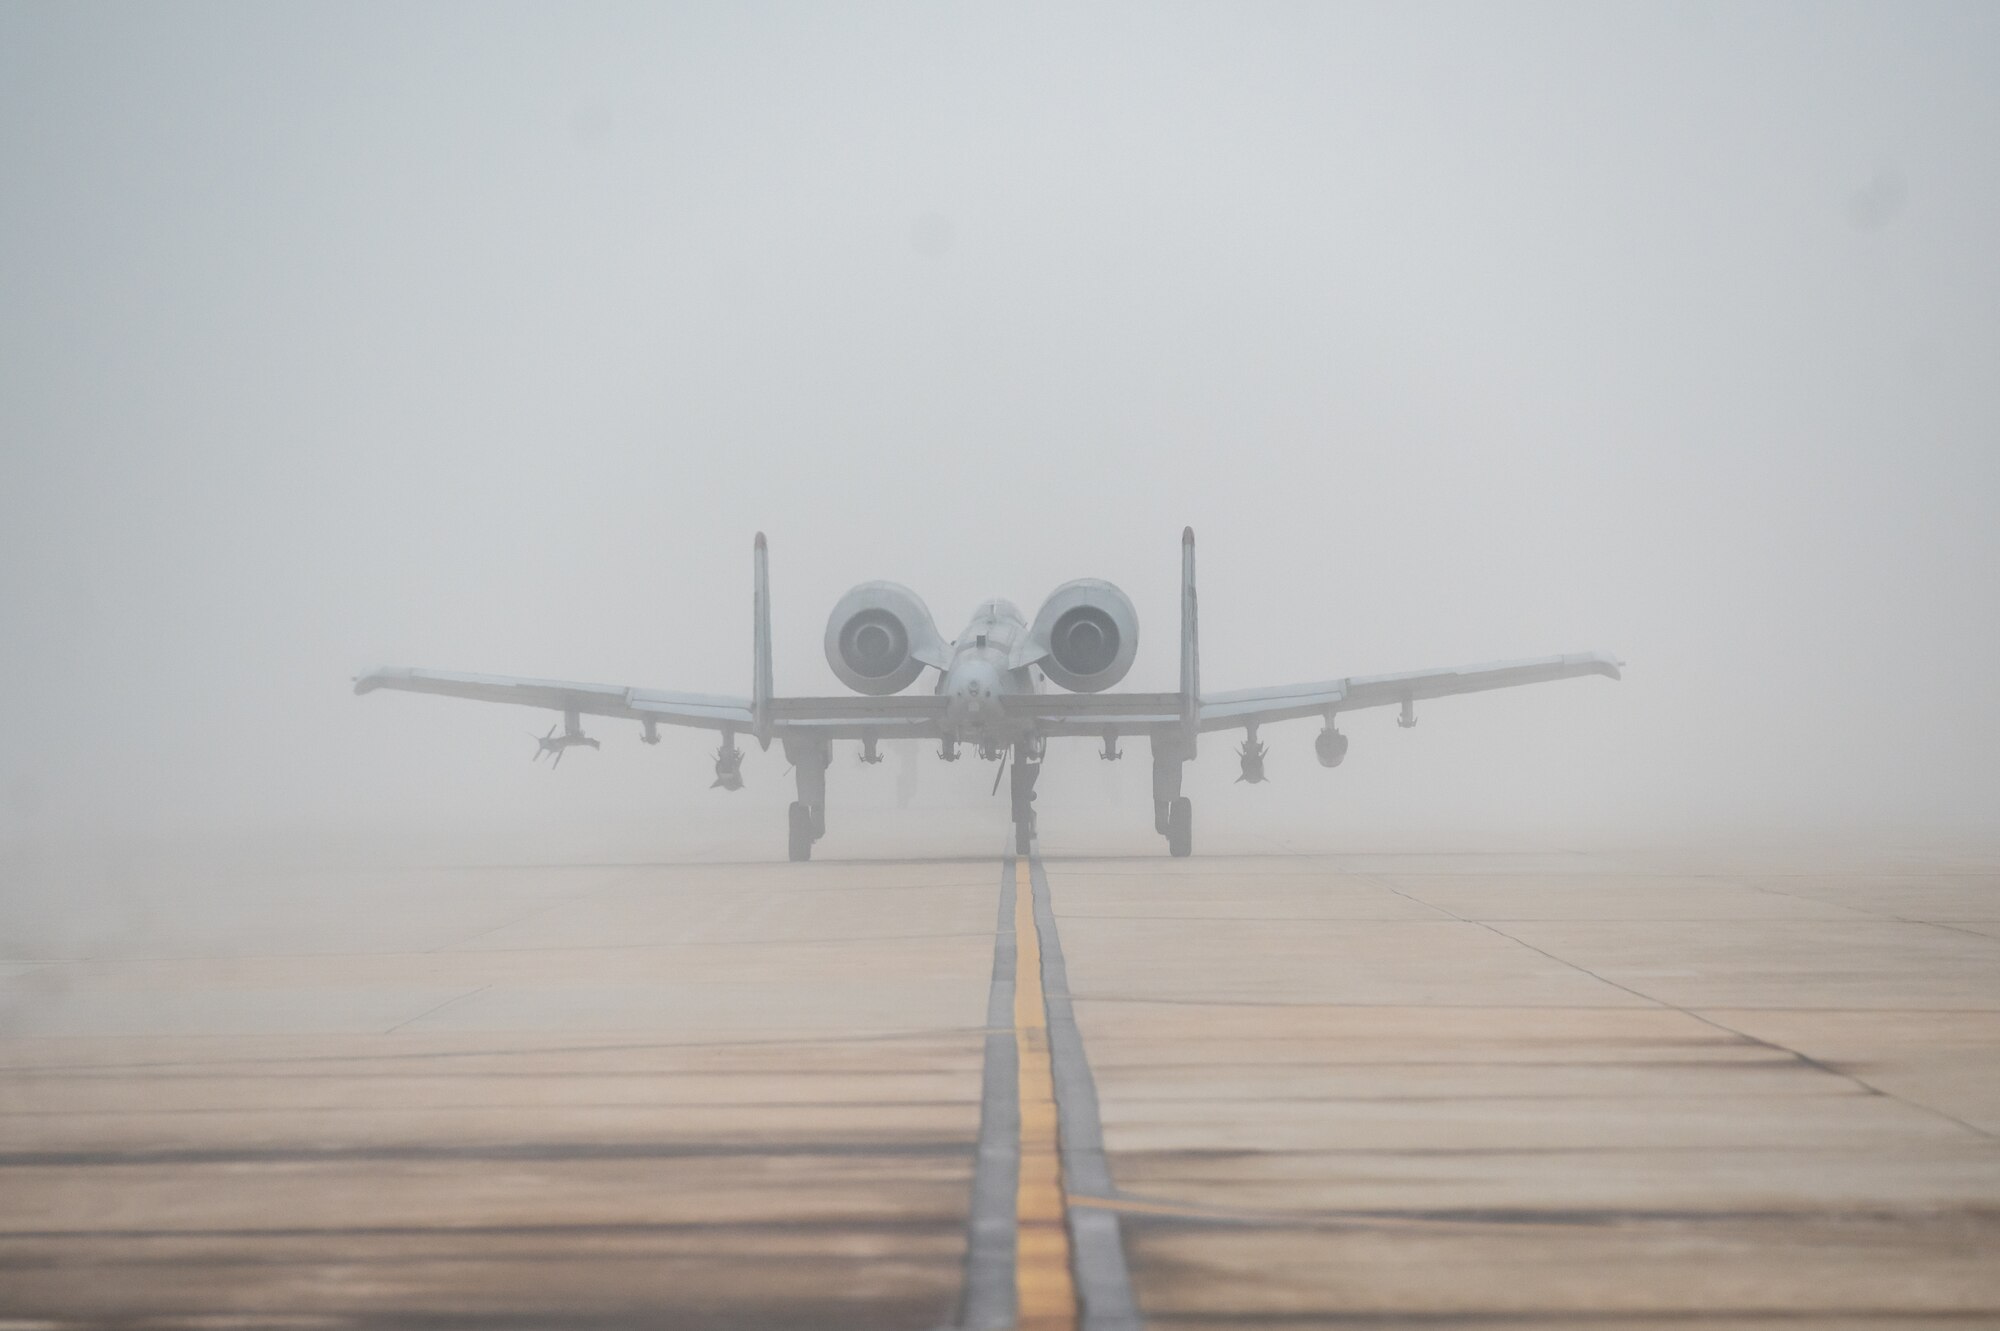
[(880, 637), (1085, 636)]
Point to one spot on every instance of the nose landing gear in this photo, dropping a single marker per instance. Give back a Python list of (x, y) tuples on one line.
[(1027, 767)]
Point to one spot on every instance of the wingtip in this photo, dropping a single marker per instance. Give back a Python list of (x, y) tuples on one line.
[(381, 677), (1609, 666)]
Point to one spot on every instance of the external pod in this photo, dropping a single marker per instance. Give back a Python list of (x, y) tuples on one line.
[(1084, 636), (880, 637)]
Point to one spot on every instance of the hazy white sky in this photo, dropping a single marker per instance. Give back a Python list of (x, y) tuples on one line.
[(484, 337)]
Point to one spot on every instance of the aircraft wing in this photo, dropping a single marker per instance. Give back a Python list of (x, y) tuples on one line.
[(1095, 713), (898, 716), (674, 709), (916, 716), (1224, 711)]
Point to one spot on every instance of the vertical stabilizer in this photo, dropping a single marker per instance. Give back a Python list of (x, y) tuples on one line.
[(760, 686), (1190, 647)]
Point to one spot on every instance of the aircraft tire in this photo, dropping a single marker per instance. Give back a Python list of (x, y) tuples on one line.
[(801, 833), (1180, 827), (1024, 838)]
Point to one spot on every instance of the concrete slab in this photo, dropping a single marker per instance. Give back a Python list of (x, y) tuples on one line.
[(1942, 896), (1606, 896), (1299, 959), (1781, 963), (1464, 1085), (697, 1096), (1589, 1093)]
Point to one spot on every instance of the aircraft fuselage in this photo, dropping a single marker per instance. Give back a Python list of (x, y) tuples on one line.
[(978, 681)]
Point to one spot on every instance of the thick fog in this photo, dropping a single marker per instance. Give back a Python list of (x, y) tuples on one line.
[(485, 338)]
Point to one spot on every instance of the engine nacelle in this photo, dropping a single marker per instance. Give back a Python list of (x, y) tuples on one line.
[(1084, 636), (880, 637), (1330, 746)]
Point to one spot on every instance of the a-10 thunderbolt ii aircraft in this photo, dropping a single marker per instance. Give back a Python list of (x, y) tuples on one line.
[(880, 639)]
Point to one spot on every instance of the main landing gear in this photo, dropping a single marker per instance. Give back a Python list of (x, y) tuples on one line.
[(1173, 812), (1180, 827), (809, 759)]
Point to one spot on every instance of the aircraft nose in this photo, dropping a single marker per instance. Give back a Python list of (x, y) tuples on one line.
[(975, 690)]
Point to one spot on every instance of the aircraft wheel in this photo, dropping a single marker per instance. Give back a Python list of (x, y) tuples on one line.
[(802, 832), (818, 821), (1024, 838), (1180, 827)]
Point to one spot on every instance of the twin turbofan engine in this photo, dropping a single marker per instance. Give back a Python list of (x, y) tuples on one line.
[(880, 637), (1084, 636)]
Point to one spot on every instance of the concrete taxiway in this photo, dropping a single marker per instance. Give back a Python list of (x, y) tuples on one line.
[(1297, 1087)]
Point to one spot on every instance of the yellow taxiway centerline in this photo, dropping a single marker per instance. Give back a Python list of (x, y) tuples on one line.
[(1044, 1288)]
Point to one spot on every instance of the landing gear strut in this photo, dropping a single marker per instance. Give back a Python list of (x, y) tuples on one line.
[(1027, 766), (1180, 827), (809, 759), (801, 832), (1173, 812)]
